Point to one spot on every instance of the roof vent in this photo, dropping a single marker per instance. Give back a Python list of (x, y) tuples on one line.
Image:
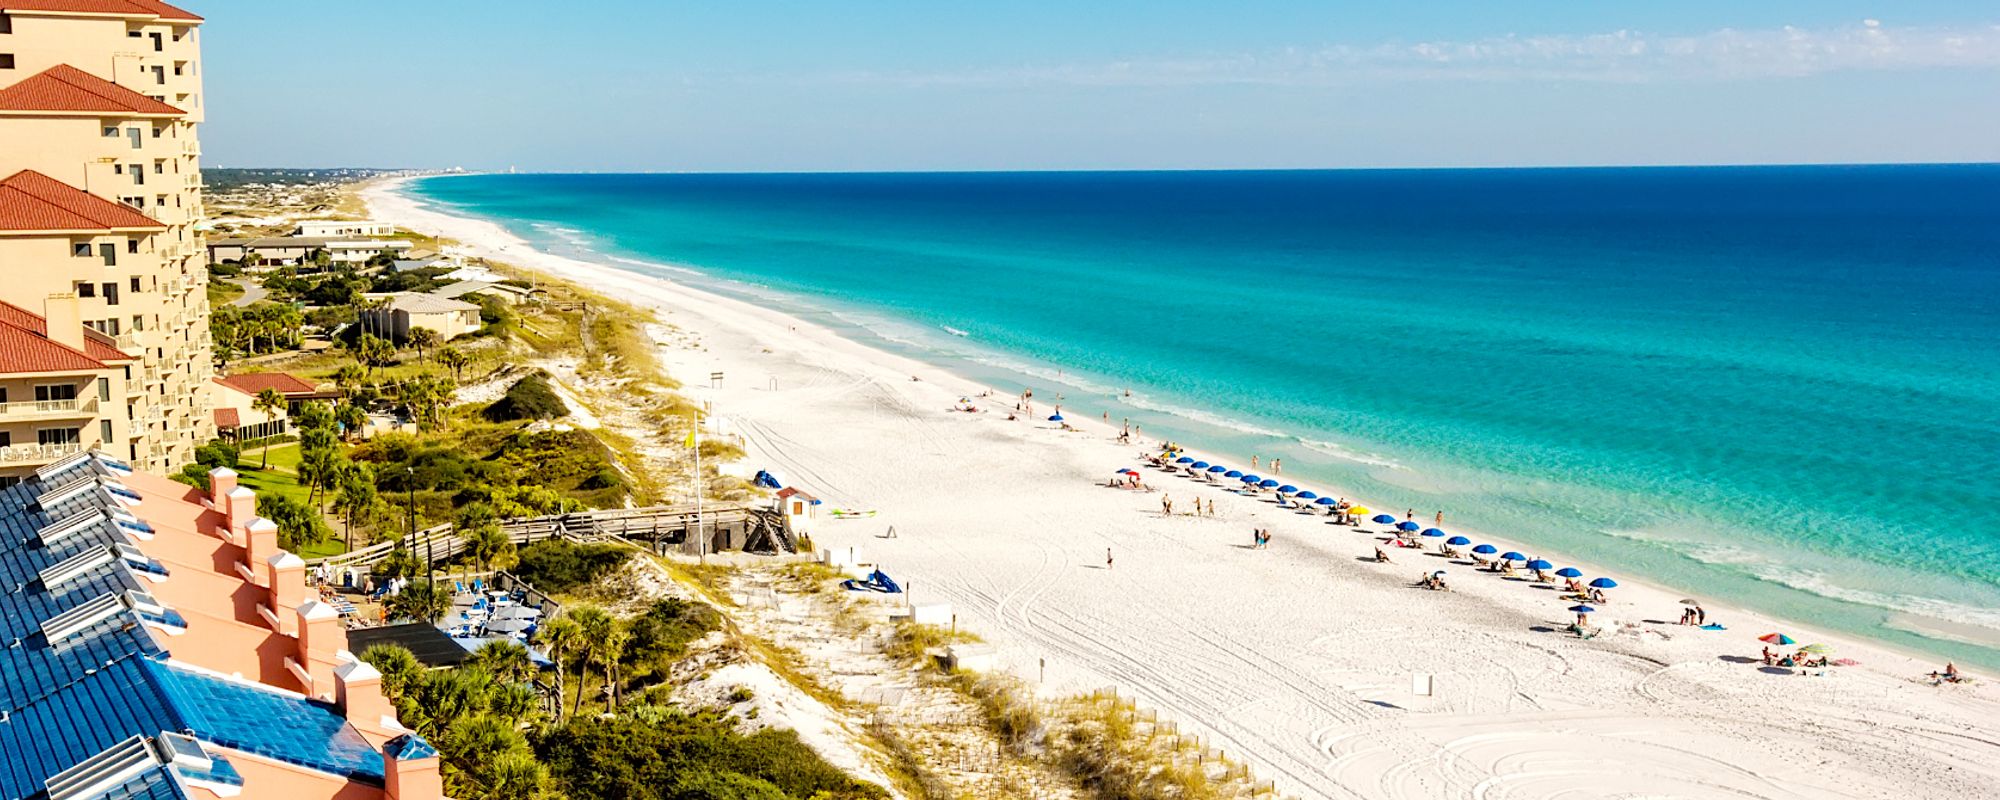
[(182, 750), (81, 618), (75, 566), (63, 466), (67, 526), (65, 491), (102, 772)]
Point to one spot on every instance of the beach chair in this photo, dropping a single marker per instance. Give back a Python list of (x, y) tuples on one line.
[(458, 587), (476, 587)]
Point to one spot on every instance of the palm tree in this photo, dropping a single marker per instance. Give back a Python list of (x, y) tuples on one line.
[(490, 547), (268, 403), (455, 360), (358, 498), (352, 418), (420, 600), (562, 638), (597, 627), (506, 660), (611, 651), (348, 376), (399, 667), (422, 338)]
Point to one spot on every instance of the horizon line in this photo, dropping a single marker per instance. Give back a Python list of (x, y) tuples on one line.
[(448, 171)]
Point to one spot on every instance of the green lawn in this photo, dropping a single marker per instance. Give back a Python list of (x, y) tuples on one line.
[(271, 481), (284, 457), (331, 547)]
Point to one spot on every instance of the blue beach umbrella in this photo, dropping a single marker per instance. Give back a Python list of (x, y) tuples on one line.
[(1458, 541), (1384, 519), (1407, 525), (1539, 564), (1433, 532), (1513, 556), (1582, 609), (1218, 468), (1268, 483), (1199, 465), (1570, 572), (1231, 474), (1055, 417), (1183, 460), (1604, 583), (1289, 489), (1307, 495), (1325, 501), (1486, 549)]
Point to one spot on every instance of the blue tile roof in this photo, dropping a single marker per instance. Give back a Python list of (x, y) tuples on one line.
[(153, 784), (63, 702), (268, 723)]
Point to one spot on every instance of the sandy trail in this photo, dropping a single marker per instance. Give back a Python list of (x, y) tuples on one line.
[(1297, 659)]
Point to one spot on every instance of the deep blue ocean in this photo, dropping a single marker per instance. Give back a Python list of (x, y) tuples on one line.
[(1779, 387)]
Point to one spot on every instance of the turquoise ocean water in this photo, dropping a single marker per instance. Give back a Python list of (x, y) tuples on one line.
[(1774, 386)]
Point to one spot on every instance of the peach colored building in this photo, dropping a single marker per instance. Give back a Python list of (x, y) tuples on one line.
[(164, 646), (99, 101), (63, 389)]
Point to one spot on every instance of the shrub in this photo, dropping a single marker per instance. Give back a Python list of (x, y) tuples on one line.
[(529, 398), (557, 565), (658, 753)]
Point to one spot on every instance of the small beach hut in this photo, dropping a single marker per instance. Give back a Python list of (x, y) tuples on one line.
[(800, 509)]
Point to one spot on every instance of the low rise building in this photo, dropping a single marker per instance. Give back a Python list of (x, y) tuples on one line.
[(395, 315), (279, 251), (237, 415)]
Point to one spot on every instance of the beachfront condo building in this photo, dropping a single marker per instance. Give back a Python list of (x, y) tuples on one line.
[(100, 196)]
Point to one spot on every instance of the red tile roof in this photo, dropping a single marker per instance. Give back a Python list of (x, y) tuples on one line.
[(128, 8), (66, 88), (25, 347), (31, 201), (96, 345), (228, 418), (254, 382)]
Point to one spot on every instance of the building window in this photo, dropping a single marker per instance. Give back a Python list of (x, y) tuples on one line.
[(138, 323), (160, 76), (111, 294), (104, 430), (156, 44), (138, 174), (159, 167), (80, 249), (111, 132), (135, 278), (6, 60), (110, 253), (6, 24), (55, 391), (104, 388), (86, 289), (6, 439), (138, 137), (132, 246), (49, 436)]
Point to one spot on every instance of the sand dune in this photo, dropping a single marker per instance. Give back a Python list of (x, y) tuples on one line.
[(1297, 659)]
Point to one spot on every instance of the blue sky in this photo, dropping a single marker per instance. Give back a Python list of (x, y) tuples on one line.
[(725, 86)]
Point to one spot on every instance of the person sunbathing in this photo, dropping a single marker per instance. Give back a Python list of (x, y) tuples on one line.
[(1507, 568), (1448, 552), (1770, 658), (1573, 587), (1477, 560), (1597, 596)]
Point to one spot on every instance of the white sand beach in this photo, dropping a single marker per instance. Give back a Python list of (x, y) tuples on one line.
[(1297, 659)]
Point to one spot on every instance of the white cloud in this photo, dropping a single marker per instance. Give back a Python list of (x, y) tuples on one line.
[(1620, 56)]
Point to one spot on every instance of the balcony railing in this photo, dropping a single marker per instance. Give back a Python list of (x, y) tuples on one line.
[(80, 407), (37, 453)]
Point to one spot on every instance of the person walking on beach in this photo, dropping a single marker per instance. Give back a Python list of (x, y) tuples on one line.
[(1253, 461), (1277, 465), (1107, 558), (1211, 506), (1700, 615), (1166, 505), (1440, 519)]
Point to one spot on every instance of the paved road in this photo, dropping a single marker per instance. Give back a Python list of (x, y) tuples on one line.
[(252, 292)]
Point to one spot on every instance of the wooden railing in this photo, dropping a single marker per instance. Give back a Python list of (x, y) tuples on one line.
[(660, 527)]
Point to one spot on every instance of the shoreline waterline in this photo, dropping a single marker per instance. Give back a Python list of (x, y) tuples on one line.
[(1781, 583)]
